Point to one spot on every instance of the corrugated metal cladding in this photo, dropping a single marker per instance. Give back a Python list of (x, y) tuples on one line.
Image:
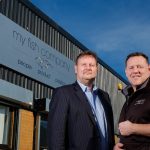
[(33, 20)]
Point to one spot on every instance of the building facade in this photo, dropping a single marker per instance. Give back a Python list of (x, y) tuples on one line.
[(37, 55)]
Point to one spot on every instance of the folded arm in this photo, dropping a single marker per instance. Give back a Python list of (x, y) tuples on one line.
[(127, 128)]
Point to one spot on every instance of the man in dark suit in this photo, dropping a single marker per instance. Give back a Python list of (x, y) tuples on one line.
[(80, 115)]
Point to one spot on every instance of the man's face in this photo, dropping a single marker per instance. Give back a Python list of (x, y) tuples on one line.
[(86, 69), (137, 70)]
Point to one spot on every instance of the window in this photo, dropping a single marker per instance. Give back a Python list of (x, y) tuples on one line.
[(4, 124), (43, 132), (7, 115)]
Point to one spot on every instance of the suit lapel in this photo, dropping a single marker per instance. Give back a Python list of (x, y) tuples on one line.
[(82, 97), (107, 107), (104, 102)]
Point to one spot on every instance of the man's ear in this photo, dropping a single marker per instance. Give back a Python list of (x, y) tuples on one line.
[(149, 68), (75, 69), (125, 71)]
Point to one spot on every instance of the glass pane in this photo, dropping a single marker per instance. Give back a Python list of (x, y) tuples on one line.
[(43, 134), (4, 124)]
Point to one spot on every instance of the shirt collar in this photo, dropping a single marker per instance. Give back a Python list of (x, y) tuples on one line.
[(128, 90), (85, 88)]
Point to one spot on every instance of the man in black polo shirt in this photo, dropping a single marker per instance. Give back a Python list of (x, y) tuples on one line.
[(134, 122)]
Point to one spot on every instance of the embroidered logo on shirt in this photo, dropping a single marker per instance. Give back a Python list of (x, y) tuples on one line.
[(139, 102)]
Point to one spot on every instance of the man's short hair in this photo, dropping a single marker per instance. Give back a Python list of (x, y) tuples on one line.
[(86, 53), (137, 54)]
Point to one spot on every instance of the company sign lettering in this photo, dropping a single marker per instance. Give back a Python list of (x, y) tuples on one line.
[(23, 52)]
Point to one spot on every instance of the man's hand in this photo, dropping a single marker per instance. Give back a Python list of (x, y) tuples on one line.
[(126, 128), (118, 146)]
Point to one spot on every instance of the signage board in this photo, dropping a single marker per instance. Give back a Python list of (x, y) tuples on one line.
[(25, 53)]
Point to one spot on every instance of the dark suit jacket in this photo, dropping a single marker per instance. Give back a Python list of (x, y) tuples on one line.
[(71, 124)]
